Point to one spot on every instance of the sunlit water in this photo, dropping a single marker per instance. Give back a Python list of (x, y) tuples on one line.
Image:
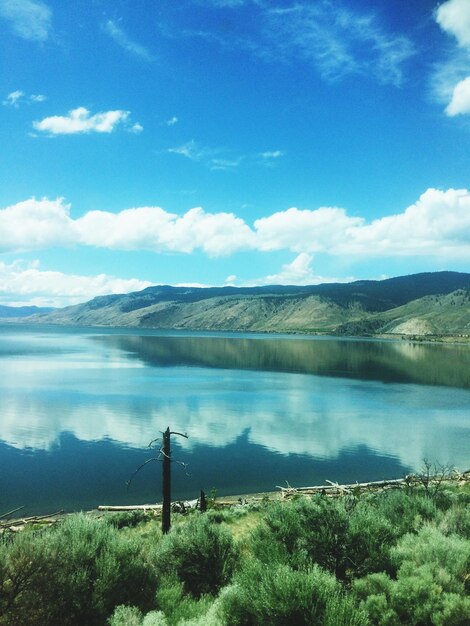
[(79, 407)]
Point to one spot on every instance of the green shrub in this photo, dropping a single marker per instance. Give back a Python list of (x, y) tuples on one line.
[(128, 519), (305, 532), (278, 595), (73, 573), (178, 606), (369, 538), (456, 520), (200, 554), (406, 513), (429, 587), (131, 616), (126, 616)]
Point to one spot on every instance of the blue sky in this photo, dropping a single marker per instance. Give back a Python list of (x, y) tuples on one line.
[(235, 142)]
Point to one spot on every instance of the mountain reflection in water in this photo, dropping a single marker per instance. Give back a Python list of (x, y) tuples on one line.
[(387, 361)]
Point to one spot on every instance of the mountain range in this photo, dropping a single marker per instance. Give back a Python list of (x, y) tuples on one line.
[(426, 304)]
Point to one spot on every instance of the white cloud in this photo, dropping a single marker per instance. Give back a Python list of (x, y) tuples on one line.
[(34, 224), (28, 284), (136, 128), (436, 226), (16, 97), (298, 272), (451, 80), (115, 31), (454, 18), (191, 150), (304, 230), (274, 154), (30, 19), (172, 121), (338, 40), (333, 37), (460, 102), (81, 121), (13, 98), (225, 164), (152, 228)]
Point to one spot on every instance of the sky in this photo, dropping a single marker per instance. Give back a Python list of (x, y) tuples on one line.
[(241, 142)]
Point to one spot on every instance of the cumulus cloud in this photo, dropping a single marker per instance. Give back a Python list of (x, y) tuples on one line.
[(460, 101), (436, 226), (298, 272), (26, 283), (29, 19), (172, 121), (117, 33), (80, 120), (152, 228), (451, 78), (35, 224), (453, 17), (304, 230)]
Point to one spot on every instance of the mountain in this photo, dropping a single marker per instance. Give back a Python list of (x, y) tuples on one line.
[(435, 303), (7, 312)]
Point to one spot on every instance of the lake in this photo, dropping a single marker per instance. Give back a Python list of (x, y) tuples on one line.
[(78, 408)]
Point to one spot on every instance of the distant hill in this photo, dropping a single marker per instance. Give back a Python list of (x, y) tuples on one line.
[(8, 312), (421, 304)]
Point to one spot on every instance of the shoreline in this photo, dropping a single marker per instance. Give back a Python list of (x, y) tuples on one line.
[(333, 489), (398, 337)]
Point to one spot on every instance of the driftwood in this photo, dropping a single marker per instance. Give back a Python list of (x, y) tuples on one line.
[(130, 507), (11, 512), (335, 489), (178, 506), (19, 524)]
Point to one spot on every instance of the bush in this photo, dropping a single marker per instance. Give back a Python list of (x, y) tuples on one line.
[(126, 616), (200, 554), (131, 616), (278, 595), (369, 538), (429, 587), (177, 606), (456, 520), (405, 512), (73, 573), (128, 519), (305, 532)]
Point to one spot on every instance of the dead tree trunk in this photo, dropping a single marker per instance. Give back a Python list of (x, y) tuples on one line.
[(166, 482)]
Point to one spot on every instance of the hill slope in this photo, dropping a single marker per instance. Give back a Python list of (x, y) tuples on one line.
[(7, 312), (362, 307)]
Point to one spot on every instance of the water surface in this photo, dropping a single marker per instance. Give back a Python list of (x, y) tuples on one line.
[(79, 407)]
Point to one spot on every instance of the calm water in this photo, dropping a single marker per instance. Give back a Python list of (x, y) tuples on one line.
[(79, 407)]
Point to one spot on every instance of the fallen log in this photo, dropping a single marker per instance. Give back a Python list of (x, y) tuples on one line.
[(35, 519), (11, 512), (334, 488), (130, 507)]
